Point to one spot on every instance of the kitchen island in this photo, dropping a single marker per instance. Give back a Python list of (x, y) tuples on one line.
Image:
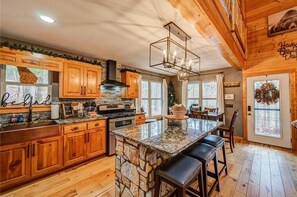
[(140, 150)]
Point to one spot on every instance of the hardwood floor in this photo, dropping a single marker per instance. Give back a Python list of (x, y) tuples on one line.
[(254, 170)]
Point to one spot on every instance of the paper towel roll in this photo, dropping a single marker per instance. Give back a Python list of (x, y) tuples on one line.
[(55, 112)]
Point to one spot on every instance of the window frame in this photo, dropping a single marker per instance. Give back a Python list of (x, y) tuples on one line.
[(150, 99), (200, 93), (3, 82)]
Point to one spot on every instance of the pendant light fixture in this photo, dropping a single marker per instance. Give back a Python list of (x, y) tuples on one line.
[(170, 56)]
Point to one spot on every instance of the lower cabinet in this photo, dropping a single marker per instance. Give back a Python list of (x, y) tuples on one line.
[(96, 142), (22, 161), (74, 147), (47, 155), (15, 163), (81, 145)]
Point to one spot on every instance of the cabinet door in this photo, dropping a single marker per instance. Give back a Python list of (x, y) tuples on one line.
[(73, 80), (96, 142), (74, 147), (46, 155), (15, 163), (92, 81), (132, 80)]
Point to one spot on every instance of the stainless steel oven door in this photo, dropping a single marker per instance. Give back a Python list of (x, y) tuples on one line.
[(120, 123)]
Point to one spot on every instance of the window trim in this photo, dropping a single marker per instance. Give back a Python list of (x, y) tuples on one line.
[(150, 99)]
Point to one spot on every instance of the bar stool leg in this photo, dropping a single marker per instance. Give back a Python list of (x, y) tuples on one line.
[(201, 184), (157, 186), (215, 160), (181, 192), (225, 159), (204, 176)]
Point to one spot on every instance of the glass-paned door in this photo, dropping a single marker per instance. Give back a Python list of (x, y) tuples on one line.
[(267, 115), (268, 110)]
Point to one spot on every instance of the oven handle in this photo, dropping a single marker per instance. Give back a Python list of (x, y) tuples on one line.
[(121, 119)]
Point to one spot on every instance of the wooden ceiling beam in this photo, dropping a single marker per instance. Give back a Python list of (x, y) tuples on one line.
[(208, 22)]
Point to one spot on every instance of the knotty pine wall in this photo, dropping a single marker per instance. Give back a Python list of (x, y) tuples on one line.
[(263, 58)]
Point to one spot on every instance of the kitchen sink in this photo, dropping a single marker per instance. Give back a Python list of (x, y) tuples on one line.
[(23, 132)]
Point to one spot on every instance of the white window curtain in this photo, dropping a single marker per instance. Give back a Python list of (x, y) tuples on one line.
[(185, 93), (220, 92), (165, 98), (139, 99)]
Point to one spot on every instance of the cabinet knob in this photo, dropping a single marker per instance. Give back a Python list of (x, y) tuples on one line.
[(97, 124)]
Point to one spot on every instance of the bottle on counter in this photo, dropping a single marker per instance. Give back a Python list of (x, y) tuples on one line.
[(20, 118)]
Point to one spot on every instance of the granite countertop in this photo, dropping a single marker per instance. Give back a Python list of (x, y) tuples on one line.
[(170, 140), (139, 112), (75, 120)]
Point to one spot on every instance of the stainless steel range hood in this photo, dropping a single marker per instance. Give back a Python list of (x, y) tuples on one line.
[(111, 75)]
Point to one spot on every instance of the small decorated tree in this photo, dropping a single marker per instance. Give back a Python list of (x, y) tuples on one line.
[(171, 94)]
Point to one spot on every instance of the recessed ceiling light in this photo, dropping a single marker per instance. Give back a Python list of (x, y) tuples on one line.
[(47, 19)]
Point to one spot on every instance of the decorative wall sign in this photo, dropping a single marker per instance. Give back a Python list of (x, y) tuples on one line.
[(26, 76), (288, 50), (26, 101), (282, 22), (229, 96), (33, 49), (229, 105), (232, 84), (267, 94)]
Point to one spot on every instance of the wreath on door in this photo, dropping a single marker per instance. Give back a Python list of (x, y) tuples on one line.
[(267, 94)]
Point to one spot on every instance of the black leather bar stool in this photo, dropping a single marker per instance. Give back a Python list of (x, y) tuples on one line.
[(205, 153), (180, 172), (219, 143)]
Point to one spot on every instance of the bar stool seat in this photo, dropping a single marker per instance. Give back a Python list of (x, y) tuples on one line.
[(206, 153), (202, 152), (213, 140), (219, 143), (180, 172)]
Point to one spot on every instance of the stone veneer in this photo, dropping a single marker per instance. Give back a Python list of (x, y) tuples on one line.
[(135, 169)]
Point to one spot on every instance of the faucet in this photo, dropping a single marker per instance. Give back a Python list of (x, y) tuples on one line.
[(30, 110)]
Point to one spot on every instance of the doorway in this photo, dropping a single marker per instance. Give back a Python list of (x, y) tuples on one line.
[(268, 110)]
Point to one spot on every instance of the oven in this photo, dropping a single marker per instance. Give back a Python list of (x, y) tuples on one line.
[(114, 124)]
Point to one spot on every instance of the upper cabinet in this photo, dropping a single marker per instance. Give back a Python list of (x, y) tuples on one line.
[(79, 80), (132, 80), (32, 60)]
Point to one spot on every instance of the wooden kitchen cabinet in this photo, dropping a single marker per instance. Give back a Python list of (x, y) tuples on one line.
[(73, 78), (80, 80), (140, 119), (82, 144), (92, 81), (15, 163), (96, 144), (74, 147), (47, 155), (132, 80)]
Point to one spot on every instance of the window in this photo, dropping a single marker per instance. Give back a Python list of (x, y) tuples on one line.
[(17, 90), (209, 94), (207, 97), (151, 93), (193, 93)]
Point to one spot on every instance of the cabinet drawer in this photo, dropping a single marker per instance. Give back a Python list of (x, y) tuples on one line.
[(140, 117), (97, 123), (75, 127)]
